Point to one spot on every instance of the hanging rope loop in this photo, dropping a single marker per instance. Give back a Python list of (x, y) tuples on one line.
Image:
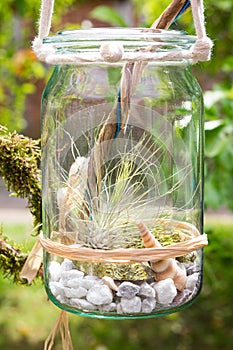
[(200, 51)]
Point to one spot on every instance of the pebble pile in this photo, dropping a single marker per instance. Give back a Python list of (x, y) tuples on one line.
[(88, 293)]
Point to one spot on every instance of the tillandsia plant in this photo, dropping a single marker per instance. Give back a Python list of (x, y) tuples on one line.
[(132, 182)]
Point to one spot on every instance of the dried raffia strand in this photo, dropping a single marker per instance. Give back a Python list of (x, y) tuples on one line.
[(33, 262), (63, 325), (163, 268), (128, 255)]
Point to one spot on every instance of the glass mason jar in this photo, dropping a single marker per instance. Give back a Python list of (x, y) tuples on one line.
[(122, 165)]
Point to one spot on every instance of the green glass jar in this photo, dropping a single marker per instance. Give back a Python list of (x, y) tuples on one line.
[(122, 165)]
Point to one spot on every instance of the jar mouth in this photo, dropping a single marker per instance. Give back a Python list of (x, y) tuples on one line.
[(137, 43)]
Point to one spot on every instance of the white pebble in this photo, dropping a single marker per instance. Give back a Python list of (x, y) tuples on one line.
[(54, 270), (148, 305), (75, 283), (82, 304), (57, 288), (71, 274), (192, 281), (62, 299), (87, 283), (165, 291), (146, 290), (131, 306), (100, 295), (127, 290), (79, 292)]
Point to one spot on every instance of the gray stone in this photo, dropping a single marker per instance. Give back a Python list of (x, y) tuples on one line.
[(100, 294), (191, 281), (54, 270), (148, 305), (79, 292), (191, 268), (165, 291), (182, 297), (127, 290), (146, 290), (130, 306)]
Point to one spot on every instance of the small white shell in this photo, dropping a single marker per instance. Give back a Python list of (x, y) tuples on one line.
[(110, 283)]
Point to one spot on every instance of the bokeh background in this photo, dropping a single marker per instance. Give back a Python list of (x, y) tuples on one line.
[(26, 316)]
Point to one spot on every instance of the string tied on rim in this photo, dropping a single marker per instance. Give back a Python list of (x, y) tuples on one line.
[(199, 52)]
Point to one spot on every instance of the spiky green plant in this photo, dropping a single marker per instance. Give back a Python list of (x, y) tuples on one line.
[(131, 189)]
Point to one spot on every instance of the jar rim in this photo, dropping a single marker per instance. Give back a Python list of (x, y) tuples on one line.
[(117, 33), (118, 45)]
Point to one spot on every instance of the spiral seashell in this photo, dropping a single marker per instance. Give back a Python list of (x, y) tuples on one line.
[(163, 269), (148, 239)]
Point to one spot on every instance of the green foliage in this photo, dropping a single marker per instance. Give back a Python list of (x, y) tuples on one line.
[(219, 148), (19, 159), (109, 15), (219, 25), (19, 68)]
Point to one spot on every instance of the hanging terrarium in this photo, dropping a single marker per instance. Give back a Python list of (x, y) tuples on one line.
[(122, 164)]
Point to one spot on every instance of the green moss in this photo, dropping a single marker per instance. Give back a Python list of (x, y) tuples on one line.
[(19, 167), (11, 260)]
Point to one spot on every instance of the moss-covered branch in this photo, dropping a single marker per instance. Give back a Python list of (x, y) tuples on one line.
[(12, 260), (19, 159)]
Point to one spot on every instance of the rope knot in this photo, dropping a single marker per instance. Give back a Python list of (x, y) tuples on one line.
[(41, 50), (201, 50)]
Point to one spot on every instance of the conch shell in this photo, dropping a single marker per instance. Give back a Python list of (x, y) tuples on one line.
[(72, 193), (163, 269)]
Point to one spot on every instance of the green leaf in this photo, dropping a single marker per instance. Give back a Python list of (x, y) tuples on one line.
[(108, 15), (213, 124), (214, 143)]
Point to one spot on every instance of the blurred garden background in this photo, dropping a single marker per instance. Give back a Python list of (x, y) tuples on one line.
[(26, 316)]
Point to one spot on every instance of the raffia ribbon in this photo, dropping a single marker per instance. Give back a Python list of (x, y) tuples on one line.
[(193, 241), (33, 262)]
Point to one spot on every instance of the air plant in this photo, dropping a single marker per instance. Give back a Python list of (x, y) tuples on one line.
[(131, 188)]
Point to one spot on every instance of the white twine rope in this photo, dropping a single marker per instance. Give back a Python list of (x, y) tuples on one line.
[(200, 51)]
